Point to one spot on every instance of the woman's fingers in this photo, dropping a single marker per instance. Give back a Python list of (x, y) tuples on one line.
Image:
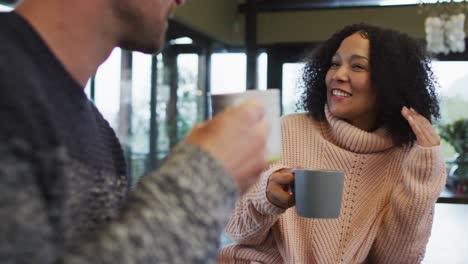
[(426, 136), (427, 129), (278, 188), (283, 176), (280, 197)]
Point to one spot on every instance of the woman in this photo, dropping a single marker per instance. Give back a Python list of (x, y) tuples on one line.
[(369, 103)]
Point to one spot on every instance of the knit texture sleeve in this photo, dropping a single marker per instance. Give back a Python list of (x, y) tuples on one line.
[(175, 215), (25, 233), (406, 227), (254, 215)]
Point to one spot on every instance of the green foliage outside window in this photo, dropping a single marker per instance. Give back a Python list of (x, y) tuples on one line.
[(456, 134)]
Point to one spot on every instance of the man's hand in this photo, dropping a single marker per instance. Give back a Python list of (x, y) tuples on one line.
[(236, 137)]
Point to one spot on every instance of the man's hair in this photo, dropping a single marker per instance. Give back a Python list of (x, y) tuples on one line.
[(400, 72)]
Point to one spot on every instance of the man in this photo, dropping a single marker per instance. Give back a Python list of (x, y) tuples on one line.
[(63, 190)]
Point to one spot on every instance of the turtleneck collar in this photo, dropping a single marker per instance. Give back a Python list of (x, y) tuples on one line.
[(354, 139)]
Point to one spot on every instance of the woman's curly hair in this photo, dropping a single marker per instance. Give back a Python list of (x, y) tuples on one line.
[(400, 71)]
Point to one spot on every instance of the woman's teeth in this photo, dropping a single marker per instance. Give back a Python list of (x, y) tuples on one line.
[(340, 93)]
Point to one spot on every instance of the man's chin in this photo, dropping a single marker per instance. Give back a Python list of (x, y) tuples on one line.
[(147, 48)]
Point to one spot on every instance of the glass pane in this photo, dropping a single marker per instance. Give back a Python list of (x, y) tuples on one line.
[(228, 73), (453, 79), (5, 8), (141, 94), (181, 41), (141, 87), (108, 88), (262, 71), (291, 90), (162, 101), (88, 89), (188, 94)]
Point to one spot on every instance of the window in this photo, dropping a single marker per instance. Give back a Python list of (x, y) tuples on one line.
[(453, 80), (141, 89), (189, 96), (228, 73), (262, 64), (162, 101), (139, 132), (108, 88), (5, 8), (292, 73), (181, 41), (88, 89)]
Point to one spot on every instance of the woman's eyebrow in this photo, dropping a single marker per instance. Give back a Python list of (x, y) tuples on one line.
[(359, 57)]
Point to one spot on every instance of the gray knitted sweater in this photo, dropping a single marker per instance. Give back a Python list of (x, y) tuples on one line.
[(64, 194)]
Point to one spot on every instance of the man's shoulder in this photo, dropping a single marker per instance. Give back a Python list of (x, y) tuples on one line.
[(17, 68), (13, 55), (19, 78), (15, 58), (17, 83)]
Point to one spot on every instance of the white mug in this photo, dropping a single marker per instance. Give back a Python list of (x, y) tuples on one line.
[(271, 102)]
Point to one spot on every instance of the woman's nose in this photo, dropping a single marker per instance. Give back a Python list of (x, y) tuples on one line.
[(341, 74)]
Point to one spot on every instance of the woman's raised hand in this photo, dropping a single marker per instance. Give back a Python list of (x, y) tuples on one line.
[(426, 135)]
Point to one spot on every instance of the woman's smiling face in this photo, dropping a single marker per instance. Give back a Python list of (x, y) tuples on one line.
[(350, 95)]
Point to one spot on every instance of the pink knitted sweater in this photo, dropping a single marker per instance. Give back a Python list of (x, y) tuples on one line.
[(387, 207)]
